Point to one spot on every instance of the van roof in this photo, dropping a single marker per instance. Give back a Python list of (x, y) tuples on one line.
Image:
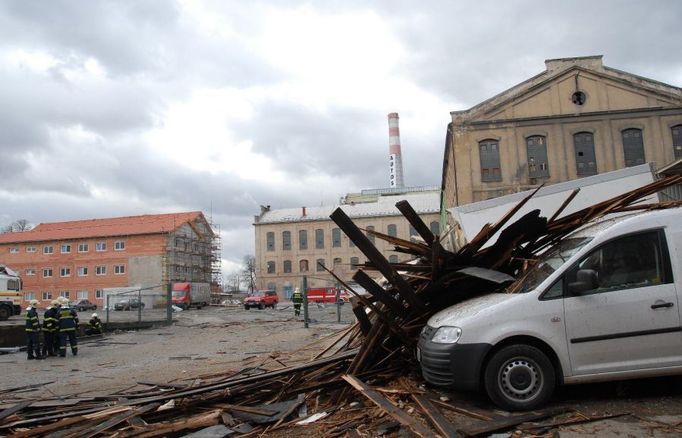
[(628, 220)]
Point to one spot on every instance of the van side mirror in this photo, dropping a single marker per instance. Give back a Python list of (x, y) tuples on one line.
[(586, 280)]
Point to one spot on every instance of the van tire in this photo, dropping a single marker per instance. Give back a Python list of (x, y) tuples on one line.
[(5, 312), (519, 378)]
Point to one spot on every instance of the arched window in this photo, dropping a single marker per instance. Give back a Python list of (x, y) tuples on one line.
[(354, 261), (536, 146), (286, 266), (270, 241), (435, 228), (393, 258), (413, 231), (489, 152), (677, 141), (369, 235), (585, 159), (271, 267), (303, 265), (336, 237), (319, 265), (392, 230), (337, 263), (633, 147), (319, 238), (302, 239), (286, 240)]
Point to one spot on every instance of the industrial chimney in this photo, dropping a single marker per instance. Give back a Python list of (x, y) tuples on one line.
[(395, 158)]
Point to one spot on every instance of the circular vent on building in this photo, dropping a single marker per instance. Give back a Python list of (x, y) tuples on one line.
[(578, 98)]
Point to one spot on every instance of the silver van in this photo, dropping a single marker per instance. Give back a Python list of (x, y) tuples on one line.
[(602, 305)]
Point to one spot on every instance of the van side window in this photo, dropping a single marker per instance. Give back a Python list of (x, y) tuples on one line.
[(637, 260)]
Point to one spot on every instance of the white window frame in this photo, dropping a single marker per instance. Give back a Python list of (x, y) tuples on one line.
[(119, 269), (46, 295), (28, 296), (99, 293), (82, 271), (64, 293), (65, 272), (14, 250), (48, 249), (101, 246), (45, 270), (30, 271), (101, 270), (65, 248), (30, 249), (83, 247), (82, 295), (119, 245)]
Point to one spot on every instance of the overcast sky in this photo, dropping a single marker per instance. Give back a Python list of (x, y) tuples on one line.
[(115, 108)]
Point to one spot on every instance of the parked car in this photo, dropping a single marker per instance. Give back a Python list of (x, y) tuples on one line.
[(602, 305), (261, 299), (83, 305), (129, 304)]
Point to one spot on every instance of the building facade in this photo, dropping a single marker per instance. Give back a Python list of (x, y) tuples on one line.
[(577, 118), (79, 259), (291, 243)]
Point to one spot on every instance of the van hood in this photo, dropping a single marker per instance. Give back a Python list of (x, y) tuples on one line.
[(468, 309)]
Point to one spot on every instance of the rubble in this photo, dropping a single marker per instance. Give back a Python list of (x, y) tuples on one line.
[(364, 377)]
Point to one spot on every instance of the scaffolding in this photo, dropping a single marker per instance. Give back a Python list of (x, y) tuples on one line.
[(193, 254)]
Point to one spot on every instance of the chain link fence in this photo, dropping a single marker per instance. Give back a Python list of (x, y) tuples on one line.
[(137, 305)]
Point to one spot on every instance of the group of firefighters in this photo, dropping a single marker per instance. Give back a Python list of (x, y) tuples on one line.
[(60, 324)]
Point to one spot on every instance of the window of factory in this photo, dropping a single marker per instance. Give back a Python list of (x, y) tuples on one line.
[(28, 296), (99, 293), (66, 248), (392, 230), (435, 228), (393, 258), (119, 245), (319, 238), (633, 147), (272, 286), (64, 293), (286, 240), (82, 295), (536, 146), (101, 270), (30, 271), (286, 266), (82, 271), (303, 265), (677, 141), (270, 241), (319, 265), (336, 237), (302, 239), (354, 261), (47, 296), (31, 249), (370, 236), (47, 249), (337, 263), (101, 246), (271, 267), (119, 269), (489, 151), (585, 159), (83, 247), (14, 250), (47, 272), (413, 231), (65, 272)]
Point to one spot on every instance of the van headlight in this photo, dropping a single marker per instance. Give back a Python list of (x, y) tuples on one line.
[(447, 335)]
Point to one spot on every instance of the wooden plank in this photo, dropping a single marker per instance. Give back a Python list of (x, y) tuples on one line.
[(563, 206), (468, 412), (378, 292), (378, 259), (388, 407), (115, 421), (503, 423), (435, 416), (413, 218), (361, 315), (14, 409)]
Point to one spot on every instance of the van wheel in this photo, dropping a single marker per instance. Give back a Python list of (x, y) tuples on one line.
[(519, 377), (5, 313), (261, 306)]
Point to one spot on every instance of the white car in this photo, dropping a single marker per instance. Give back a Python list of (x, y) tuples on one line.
[(604, 305)]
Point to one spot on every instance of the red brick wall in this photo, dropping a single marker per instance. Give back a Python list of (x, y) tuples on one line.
[(144, 245)]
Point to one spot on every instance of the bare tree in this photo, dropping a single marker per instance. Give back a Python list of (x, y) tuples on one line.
[(233, 282), (249, 271), (16, 226)]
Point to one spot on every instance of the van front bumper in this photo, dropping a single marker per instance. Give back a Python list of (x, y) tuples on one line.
[(454, 365)]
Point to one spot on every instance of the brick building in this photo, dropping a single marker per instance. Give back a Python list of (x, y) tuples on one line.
[(78, 259)]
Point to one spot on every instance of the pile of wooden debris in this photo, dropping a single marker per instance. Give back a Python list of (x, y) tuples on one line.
[(361, 380)]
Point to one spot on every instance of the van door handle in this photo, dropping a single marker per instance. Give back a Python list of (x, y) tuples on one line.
[(661, 305)]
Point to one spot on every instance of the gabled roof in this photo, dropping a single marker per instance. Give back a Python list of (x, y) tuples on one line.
[(111, 227)]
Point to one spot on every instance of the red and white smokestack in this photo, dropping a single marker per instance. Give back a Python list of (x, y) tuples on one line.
[(395, 157)]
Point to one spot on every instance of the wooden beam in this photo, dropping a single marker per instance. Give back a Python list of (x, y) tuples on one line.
[(414, 220), (378, 292), (435, 416)]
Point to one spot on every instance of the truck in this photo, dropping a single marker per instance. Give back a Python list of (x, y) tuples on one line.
[(10, 293), (326, 295), (601, 305), (188, 294)]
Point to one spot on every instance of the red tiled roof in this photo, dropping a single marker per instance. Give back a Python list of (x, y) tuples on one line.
[(119, 226)]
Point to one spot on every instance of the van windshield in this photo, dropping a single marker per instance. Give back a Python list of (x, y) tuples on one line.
[(549, 263)]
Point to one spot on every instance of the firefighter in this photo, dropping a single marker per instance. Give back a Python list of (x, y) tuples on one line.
[(297, 299), (33, 331), (67, 321), (56, 305), (50, 329), (94, 326)]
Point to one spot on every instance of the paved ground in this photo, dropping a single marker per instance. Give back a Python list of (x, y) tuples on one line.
[(221, 340)]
